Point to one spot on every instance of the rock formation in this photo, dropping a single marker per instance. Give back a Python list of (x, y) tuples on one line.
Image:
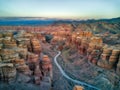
[(20, 54), (92, 47), (7, 72), (46, 66), (36, 46), (76, 87)]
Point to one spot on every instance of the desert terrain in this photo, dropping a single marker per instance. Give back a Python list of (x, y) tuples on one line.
[(90, 55)]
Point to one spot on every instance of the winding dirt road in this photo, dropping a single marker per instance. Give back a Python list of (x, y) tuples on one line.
[(68, 77)]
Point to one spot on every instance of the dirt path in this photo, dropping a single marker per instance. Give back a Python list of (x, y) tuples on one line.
[(68, 77), (59, 82)]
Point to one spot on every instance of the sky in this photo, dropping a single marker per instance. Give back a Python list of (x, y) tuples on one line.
[(83, 9)]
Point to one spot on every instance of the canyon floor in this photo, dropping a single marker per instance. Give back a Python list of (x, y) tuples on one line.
[(77, 67), (59, 82)]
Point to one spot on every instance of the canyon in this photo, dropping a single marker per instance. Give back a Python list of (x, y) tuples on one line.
[(88, 55)]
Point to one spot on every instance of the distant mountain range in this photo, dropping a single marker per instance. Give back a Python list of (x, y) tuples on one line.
[(26, 21), (113, 20)]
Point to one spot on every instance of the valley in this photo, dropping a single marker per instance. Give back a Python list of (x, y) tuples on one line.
[(60, 55)]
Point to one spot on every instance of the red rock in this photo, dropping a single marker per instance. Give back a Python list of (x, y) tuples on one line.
[(76, 87), (32, 58), (36, 46), (46, 65)]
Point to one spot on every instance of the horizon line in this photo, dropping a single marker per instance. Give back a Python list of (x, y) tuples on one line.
[(57, 17)]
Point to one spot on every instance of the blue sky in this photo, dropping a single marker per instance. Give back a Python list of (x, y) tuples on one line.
[(84, 9)]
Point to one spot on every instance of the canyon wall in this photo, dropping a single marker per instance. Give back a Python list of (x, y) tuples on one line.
[(97, 52), (20, 53), (91, 46)]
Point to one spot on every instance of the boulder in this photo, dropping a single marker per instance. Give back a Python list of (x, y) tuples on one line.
[(76, 87)]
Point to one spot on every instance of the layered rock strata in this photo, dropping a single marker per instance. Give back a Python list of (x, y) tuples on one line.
[(20, 53), (92, 47)]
